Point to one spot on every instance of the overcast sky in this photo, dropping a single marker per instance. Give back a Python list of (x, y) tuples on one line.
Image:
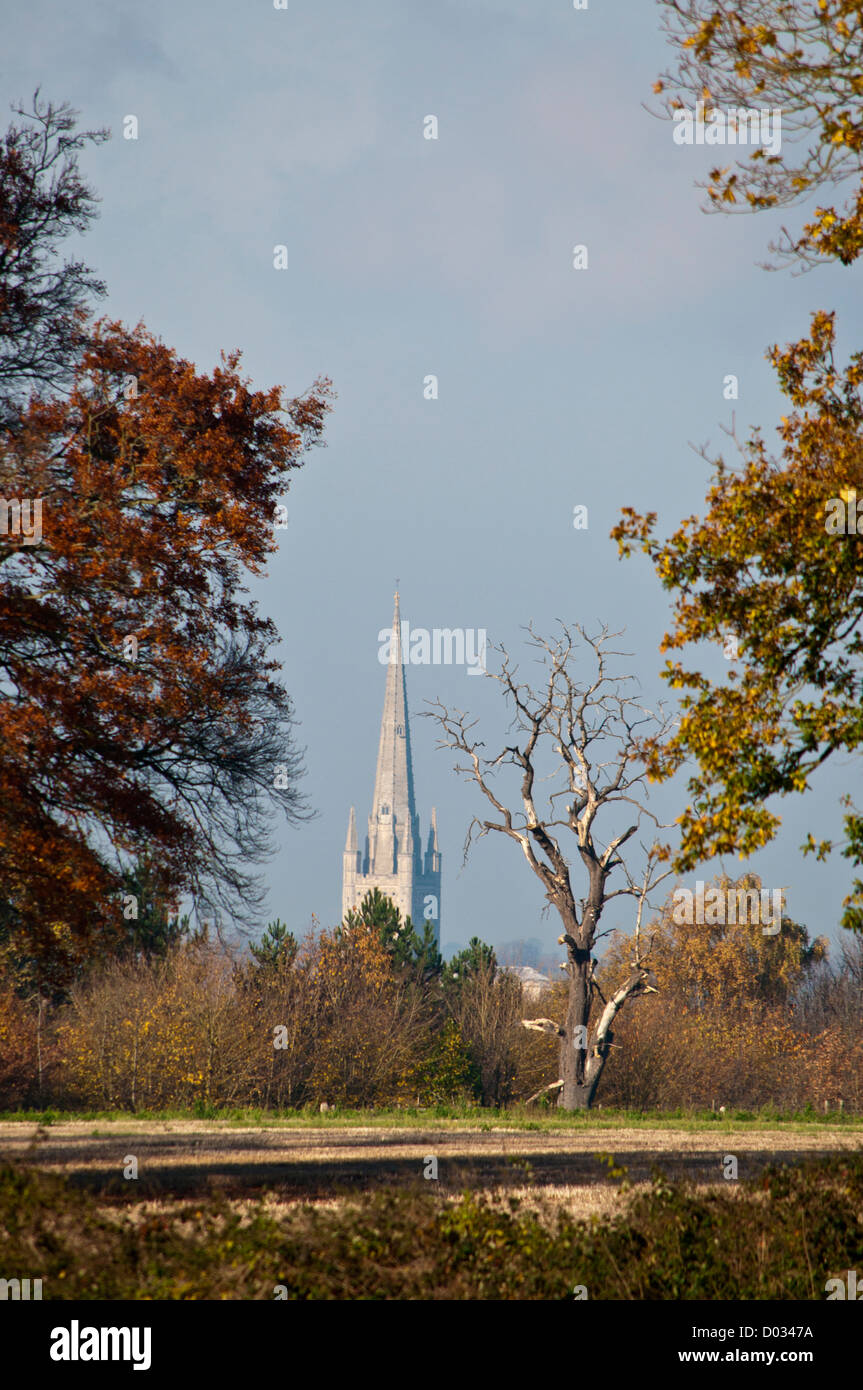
[(453, 256)]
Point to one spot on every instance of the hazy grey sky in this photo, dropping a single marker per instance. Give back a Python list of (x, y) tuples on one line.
[(453, 257)]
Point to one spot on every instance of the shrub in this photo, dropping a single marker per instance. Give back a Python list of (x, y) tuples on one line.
[(779, 1238)]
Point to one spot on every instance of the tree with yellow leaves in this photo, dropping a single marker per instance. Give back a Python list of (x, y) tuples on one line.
[(767, 569), (729, 959), (800, 58), (774, 571)]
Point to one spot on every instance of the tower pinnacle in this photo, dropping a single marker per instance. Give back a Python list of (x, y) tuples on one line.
[(393, 859)]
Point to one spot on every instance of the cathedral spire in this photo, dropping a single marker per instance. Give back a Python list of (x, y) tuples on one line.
[(394, 809), (393, 860)]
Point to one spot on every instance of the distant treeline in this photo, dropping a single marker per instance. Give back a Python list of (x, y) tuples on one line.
[(369, 1014)]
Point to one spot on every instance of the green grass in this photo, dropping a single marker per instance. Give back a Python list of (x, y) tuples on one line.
[(461, 1117), (780, 1237)]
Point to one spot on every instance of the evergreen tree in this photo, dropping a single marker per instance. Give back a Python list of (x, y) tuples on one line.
[(410, 951), (476, 957), (277, 948)]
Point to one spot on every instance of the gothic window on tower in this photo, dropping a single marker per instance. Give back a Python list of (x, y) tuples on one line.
[(400, 730), (385, 810)]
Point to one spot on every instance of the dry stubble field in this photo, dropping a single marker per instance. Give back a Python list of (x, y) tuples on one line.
[(184, 1158)]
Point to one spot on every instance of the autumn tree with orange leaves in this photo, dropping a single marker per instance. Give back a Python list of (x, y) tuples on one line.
[(140, 708)]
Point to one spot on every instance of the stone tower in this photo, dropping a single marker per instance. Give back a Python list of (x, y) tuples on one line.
[(393, 860)]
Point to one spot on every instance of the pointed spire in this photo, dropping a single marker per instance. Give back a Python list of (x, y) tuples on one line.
[(393, 809), (432, 857), (396, 648), (393, 860), (351, 842)]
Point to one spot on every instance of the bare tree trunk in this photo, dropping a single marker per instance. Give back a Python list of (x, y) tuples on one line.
[(582, 1058), (575, 1094), (595, 731), (587, 1064)]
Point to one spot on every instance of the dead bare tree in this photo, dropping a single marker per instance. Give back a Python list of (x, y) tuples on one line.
[(592, 733)]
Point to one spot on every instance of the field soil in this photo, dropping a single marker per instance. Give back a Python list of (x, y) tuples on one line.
[(182, 1158)]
